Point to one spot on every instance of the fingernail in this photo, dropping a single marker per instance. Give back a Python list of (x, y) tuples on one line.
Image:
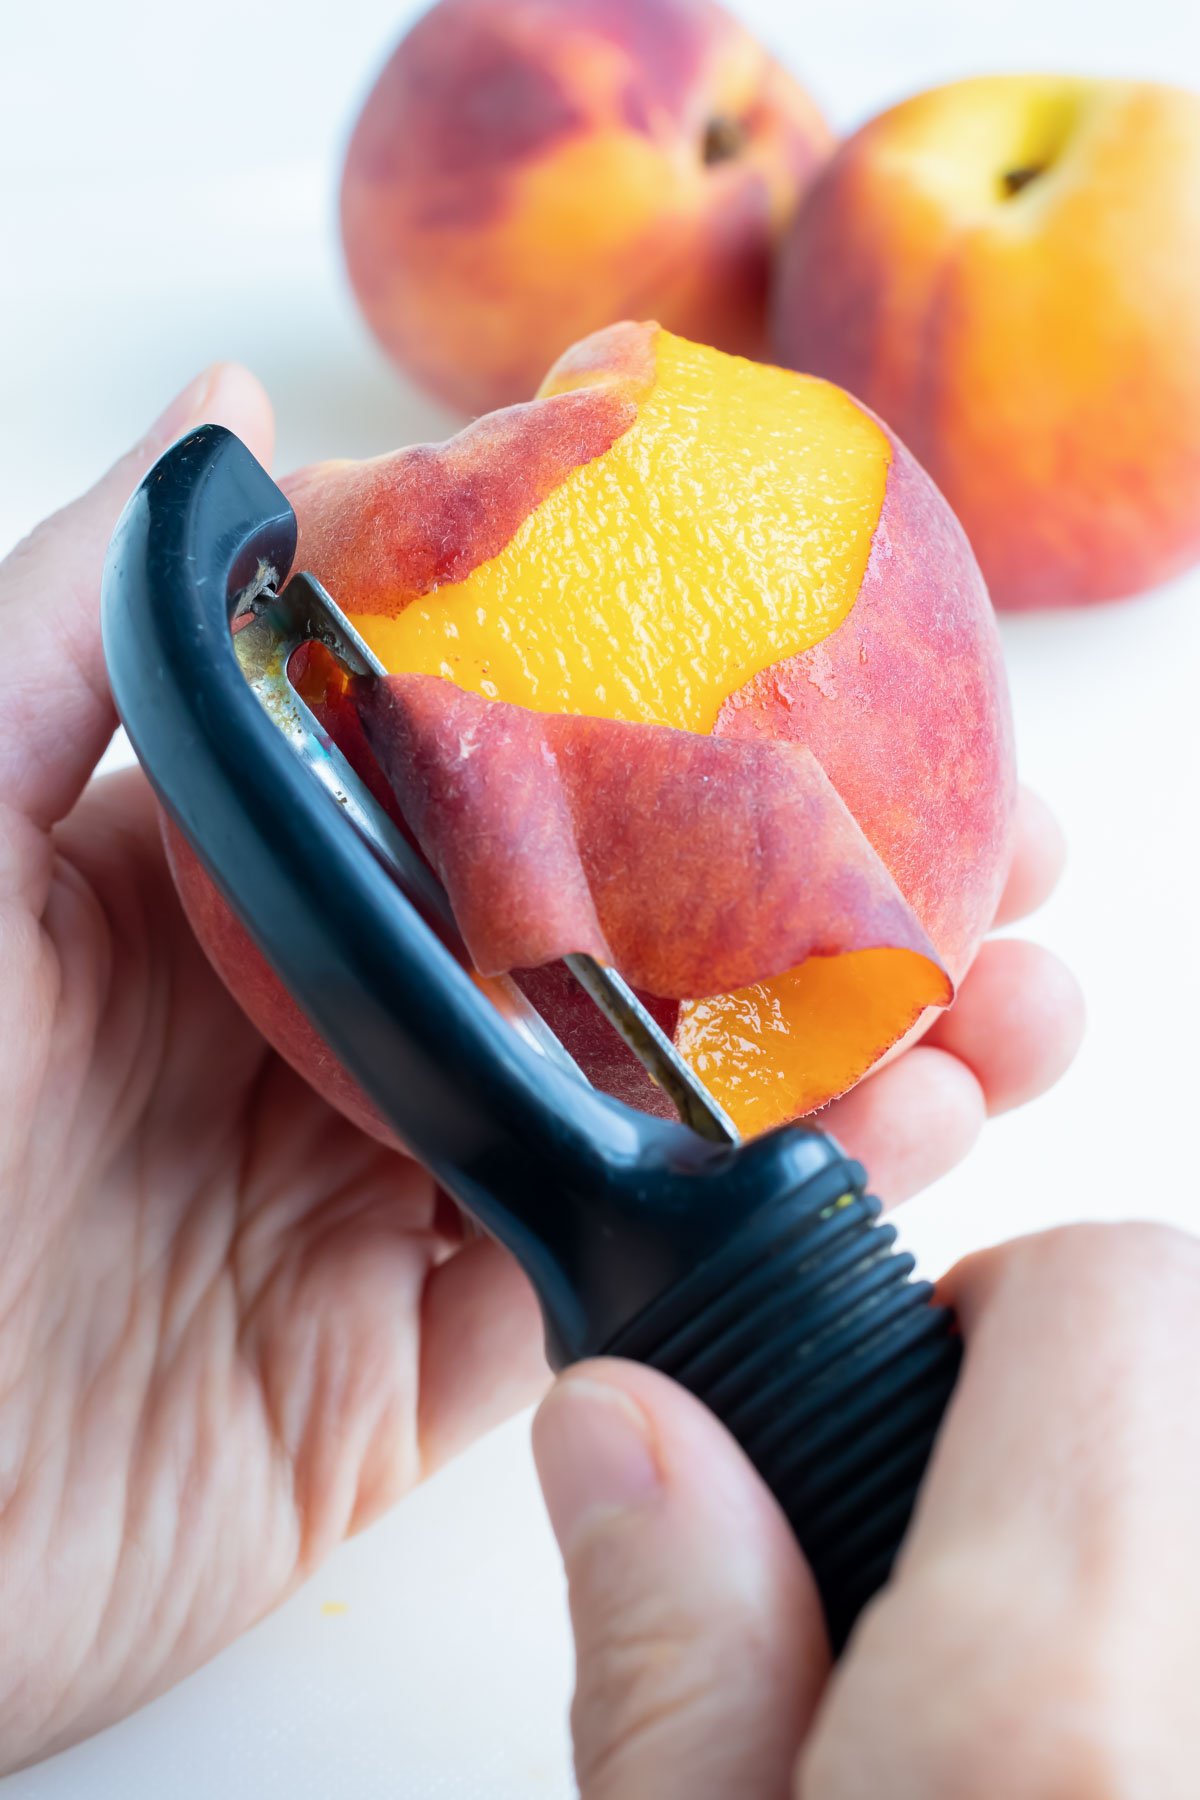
[(185, 409), (595, 1454)]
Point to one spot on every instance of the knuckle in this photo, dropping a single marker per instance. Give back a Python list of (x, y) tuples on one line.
[(649, 1677), (946, 1706), (1038, 1755), (1123, 1268), (1114, 1249), (1022, 1763), (24, 563), (630, 1693), (638, 1667), (1141, 1278)]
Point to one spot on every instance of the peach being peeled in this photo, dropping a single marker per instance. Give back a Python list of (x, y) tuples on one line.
[(526, 171), (695, 672), (1008, 270)]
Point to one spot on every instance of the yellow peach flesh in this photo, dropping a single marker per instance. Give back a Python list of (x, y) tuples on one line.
[(727, 529), (782, 1047)]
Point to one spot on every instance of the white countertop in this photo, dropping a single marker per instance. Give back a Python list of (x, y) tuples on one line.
[(166, 182)]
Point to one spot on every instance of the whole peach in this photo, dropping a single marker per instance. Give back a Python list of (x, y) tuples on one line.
[(1008, 270), (526, 171), (692, 671)]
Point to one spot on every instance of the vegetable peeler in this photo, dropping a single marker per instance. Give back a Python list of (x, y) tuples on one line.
[(756, 1274)]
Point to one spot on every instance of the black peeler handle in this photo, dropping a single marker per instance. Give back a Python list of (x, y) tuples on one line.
[(807, 1335), (760, 1277)]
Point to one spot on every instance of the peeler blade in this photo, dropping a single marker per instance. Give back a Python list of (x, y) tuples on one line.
[(273, 629), (270, 628)]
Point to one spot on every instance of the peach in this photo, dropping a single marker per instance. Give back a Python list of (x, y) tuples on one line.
[(695, 672), (526, 171), (1008, 270)]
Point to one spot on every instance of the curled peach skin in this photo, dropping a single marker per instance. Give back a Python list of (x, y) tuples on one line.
[(745, 567), (692, 863)]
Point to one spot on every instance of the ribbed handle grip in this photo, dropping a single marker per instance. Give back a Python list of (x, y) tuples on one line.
[(808, 1336)]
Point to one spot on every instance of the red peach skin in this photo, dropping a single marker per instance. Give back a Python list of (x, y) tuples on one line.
[(902, 706), (694, 864), (526, 171)]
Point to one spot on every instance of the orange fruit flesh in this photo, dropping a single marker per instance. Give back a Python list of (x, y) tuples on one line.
[(782, 1047), (727, 529)]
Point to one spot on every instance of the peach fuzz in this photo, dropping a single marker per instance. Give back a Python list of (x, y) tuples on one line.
[(526, 171), (1008, 270), (800, 852)]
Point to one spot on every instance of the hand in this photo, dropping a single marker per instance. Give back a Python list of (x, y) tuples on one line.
[(232, 1328), (1041, 1633)]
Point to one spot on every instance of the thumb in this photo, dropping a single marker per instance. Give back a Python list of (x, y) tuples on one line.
[(700, 1650), (56, 713)]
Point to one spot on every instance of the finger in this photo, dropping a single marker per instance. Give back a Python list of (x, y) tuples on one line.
[(482, 1354), (1038, 857), (1013, 1030), (1042, 1632), (1016, 1024), (1081, 1357), (56, 713), (700, 1649), (911, 1123)]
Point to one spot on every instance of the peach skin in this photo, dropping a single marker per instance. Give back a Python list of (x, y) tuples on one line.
[(1008, 270), (526, 171), (694, 671), (692, 863)]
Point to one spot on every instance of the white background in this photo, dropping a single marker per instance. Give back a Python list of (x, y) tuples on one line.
[(167, 175)]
